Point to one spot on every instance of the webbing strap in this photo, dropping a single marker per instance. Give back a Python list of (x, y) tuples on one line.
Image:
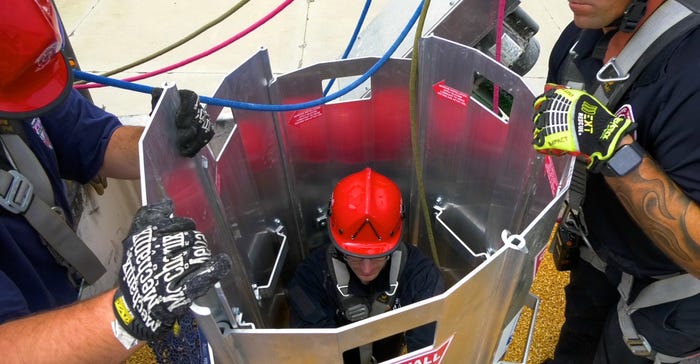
[(590, 256), (577, 187), (22, 195), (575, 197), (24, 160), (366, 354), (342, 279), (384, 304), (396, 264), (379, 307), (664, 290), (615, 74), (341, 275)]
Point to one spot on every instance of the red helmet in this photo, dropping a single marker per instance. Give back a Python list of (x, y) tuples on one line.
[(34, 74), (366, 213)]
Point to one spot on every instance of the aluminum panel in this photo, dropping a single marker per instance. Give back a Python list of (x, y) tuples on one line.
[(274, 173), (325, 143)]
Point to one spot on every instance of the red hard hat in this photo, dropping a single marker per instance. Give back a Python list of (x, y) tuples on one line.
[(366, 215), (34, 74)]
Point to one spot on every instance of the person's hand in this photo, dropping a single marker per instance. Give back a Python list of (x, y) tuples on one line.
[(569, 121), (166, 265), (194, 129)]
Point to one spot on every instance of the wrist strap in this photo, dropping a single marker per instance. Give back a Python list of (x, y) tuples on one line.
[(128, 341)]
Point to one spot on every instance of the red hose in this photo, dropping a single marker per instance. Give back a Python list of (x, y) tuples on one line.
[(227, 42)]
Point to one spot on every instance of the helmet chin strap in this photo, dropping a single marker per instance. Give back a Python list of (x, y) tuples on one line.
[(633, 15)]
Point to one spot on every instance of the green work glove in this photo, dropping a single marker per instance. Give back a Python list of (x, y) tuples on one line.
[(166, 265), (569, 121)]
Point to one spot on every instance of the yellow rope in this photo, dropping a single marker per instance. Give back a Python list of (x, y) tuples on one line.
[(182, 41), (417, 160)]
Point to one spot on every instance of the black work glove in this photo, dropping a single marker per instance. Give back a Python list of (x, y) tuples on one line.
[(166, 265), (569, 121), (99, 184), (194, 129)]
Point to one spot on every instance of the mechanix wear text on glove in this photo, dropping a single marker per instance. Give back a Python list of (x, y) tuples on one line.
[(569, 121), (166, 265)]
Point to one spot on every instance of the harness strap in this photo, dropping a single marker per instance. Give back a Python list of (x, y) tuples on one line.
[(26, 162), (665, 290), (397, 263), (380, 304), (366, 354), (26, 195), (341, 275), (590, 256), (671, 19), (385, 300), (575, 197), (571, 74)]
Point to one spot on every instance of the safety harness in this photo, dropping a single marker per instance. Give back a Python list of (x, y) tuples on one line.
[(357, 308), (673, 19), (25, 190)]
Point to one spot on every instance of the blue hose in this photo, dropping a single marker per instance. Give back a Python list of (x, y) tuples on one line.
[(265, 107), (352, 41)]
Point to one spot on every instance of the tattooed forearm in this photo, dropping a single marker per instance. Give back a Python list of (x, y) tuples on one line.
[(667, 216)]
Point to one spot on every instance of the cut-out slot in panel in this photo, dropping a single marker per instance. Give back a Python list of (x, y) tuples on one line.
[(483, 93), (362, 91)]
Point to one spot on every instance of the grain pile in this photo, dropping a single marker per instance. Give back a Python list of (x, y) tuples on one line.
[(549, 287)]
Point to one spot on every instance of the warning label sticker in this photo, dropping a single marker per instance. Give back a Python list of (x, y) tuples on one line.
[(551, 174), (301, 116), (433, 356), (451, 94)]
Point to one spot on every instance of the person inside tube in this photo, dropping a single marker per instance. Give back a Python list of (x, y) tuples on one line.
[(366, 270)]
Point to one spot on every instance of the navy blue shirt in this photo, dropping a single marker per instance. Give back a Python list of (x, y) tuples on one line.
[(314, 301), (665, 100), (70, 142)]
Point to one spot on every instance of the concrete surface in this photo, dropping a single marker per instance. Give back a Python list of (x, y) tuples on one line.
[(107, 34)]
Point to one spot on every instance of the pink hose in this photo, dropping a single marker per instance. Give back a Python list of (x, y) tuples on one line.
[(499, 45), (201, 55)]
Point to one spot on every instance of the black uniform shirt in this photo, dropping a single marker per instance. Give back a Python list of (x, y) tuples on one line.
[(665, 100), (314, 301)]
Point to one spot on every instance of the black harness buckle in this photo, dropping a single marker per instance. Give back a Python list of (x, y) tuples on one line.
[(633, 15)]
